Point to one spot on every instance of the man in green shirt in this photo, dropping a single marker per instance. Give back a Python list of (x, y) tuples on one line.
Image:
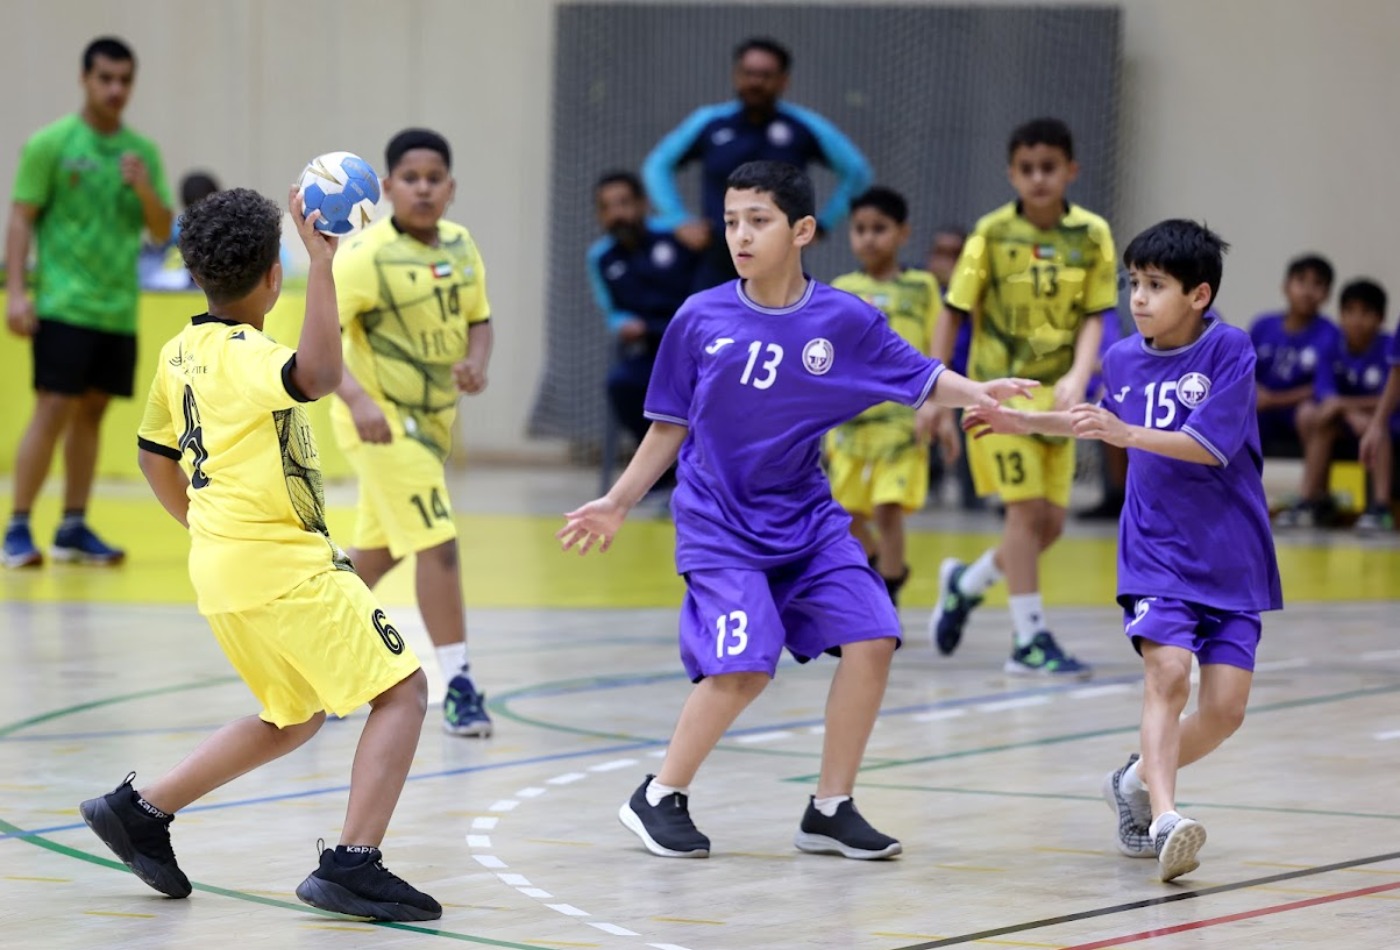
[(86, 188)]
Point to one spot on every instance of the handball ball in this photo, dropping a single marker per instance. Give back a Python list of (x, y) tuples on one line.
[(344, 188)]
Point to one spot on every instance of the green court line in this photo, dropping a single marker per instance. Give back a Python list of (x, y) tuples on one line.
[(1053, 796), (1100, 733)]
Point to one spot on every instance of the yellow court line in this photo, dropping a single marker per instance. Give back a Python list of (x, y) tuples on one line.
[(899, 936), (1090, 853), (687, 920), (46, 880), (118, 913)]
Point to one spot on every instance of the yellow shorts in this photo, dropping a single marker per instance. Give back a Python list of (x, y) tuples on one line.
[(403, 503), (859, 484), (1022, 468), (325, 644)]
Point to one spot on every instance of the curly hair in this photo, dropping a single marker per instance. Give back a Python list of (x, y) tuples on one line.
[(229, 241)]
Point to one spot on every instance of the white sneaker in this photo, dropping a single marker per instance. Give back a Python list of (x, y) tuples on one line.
[(1178, 840)]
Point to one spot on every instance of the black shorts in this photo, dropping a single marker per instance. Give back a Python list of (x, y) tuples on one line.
[(71, 360)]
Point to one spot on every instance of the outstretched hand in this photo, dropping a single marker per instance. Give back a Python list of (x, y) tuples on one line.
[(997, 391), (1096, 422), (982, 421), (595, 523)]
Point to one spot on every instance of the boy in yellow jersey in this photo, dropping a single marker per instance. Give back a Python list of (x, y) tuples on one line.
[(878, 462), (1035, 278), (412, 294), (227, 449)]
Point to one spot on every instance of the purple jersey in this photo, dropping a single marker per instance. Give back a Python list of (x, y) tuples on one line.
[(1287, 360), (1354, 374), (758, 388), (1196, 533)]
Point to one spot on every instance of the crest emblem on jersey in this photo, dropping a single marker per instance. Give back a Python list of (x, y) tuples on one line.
[(1308, 358), (1192, 389), (722, 136), (817, 356), (663, 254), (780, 134), (1044, 252), (1372, 377), (442, 269)]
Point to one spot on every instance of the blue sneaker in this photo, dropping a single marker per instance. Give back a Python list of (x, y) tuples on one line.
[(19, 548), (78, 544), (950, 614), (1043, 655), (464, 709)]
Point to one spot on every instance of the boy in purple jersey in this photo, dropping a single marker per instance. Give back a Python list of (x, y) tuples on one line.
[(750, 375), (1378, 439), (1346, 393), (1196, 559)]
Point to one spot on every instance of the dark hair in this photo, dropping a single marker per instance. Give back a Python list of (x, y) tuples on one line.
[(197, 186), (1314, 263), (1190, 252), (620, 178), (109, 47), (1364, 293), (887, 201), (229, 242), (1051, 132), (767, 45), (409, 139), (788, 185)]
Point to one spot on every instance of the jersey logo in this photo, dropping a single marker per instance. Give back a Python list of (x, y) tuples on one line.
[(615, 270), (1192, 389), (1372, 378), (663, 254), (178, 358), (1044, 252), (718, 345), (240, 335), (1121, 394), (723, 136), (780, 134), (817, 356), (442, 269), (1308, 358)]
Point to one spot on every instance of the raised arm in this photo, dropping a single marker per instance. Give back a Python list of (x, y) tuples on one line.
[(319, 364)]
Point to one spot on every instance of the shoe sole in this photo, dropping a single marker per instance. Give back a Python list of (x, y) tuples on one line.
[(328, 895), (945, 572), (633, 823), (16, 562), (472, 730), (1012, 668), (824, 844), (74, 556), (1184, 842), (1110, 795), (109, 828)]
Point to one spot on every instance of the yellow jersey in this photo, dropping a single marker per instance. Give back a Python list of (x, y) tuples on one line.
[(405, 307), (224, 405), (1028, 290), (911, 302)]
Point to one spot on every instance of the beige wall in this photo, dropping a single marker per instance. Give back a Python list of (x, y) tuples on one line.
[(1271, 119)]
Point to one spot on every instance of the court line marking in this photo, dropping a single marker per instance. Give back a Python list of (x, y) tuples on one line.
[(1232, 918), (1153, 902)]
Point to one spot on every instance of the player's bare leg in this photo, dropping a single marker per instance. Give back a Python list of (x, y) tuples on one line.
[(1166, 688), (382, 759), (860, 530), (372, 564), (80, 446), (438, 583), (1031, 527), (1220, 707), (889, 520)]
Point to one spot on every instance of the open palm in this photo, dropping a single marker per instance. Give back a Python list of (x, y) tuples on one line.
[(595, 523)]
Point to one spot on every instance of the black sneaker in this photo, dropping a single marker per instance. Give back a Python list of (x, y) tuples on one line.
[(846, 833), (893, 585), (950, 614), (140, 840), (665, 828), (367, 889)]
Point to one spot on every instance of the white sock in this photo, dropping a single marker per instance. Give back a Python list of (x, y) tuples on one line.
[(1152, 828), (656, 791), (982, 573), (1131, 782), (452, 659), (1027, 617), (828, 806)]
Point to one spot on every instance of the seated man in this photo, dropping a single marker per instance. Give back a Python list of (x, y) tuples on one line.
[(640, 276), (1347, 392)]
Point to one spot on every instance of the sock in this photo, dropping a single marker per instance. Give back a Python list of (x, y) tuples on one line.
[(828, 806), (1131, 783), (452, 659), (72, 518), (982, 574), (148, 808), (351, 855), (1152, 828), (18, 519), (1027, 617), (656, 791)]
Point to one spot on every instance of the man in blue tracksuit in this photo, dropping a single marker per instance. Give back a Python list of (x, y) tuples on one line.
[(758, 125)]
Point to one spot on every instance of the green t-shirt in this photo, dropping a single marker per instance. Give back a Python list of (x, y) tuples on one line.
[(89, 225)]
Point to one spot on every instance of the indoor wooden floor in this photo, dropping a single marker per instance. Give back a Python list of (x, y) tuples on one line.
[(991, 782)]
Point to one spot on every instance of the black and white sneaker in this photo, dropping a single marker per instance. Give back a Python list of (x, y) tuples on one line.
[(141, 840), (1177, 840), (365, 889), (665, 828), (846, 833), (1134, 811)]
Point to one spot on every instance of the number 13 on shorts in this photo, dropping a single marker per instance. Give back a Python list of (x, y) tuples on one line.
[(732, 634)]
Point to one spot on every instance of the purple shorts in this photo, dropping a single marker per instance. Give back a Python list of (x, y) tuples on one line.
[(1215, 636), (736, 620)]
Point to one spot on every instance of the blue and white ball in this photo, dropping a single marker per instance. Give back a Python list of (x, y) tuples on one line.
[(344, 188)]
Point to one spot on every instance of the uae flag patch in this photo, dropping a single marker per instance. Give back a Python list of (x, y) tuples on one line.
[(1045, 252), (442, 269)]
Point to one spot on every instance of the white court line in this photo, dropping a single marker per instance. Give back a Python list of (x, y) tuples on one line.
[(484, 824), (531, 792), (658, 754), (666, 946), (1381, 655), (1093, 692), (535, 892), (934, 715), (817, 731), (490, 861), (756, 737), (613, 929), (569, 909), (514, 880), (1021, 702), (612, 766), (479, 841), (1387, 736), (567, 778), (505, 804), (1293, 664)]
